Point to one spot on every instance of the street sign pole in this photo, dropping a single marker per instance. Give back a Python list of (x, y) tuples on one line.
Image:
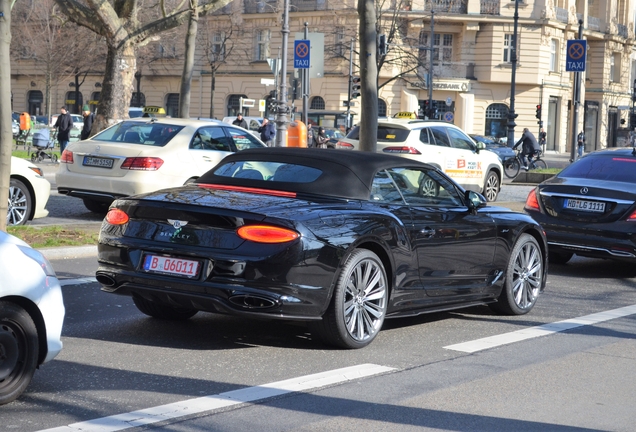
[(281, 115), (305, 83), (575, 102)]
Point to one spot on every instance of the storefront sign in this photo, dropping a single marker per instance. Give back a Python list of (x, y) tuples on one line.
[(458, 86)]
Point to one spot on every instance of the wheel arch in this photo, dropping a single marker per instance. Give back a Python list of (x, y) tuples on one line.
[(536, 233), (33, 311), (382, 253), (29, 186)]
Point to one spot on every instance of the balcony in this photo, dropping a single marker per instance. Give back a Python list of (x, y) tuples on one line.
[(562, 15), (593, 23), (447, 6), (259, 6), (621, 29), (449, 71), (307, 5), (489, 7)]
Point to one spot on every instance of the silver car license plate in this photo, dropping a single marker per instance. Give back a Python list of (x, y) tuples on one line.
[(98, 162), (582, 205)]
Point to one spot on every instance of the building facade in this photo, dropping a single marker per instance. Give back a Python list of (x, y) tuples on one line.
[(472, 47)]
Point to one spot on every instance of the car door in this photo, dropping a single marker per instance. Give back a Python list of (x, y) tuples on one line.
[(454, 246), (463, 163), (208, 146), (242, 141)]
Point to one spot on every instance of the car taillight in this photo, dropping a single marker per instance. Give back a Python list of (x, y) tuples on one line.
[(402, 149), (344, 145), (67, 157), (266, 234), (142, 163), (632, 217), (531, 202), (116, 217)]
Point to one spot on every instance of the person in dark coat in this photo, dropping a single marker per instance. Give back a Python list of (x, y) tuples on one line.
[(64, 124), (320, 138), (268, 132), (530, 146), (240, 121), (89, 118)]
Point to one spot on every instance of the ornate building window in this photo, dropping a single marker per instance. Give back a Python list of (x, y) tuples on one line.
[(317, 103)]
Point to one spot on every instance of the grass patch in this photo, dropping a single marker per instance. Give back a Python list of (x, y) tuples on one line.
[(53, 236), (548, 170)]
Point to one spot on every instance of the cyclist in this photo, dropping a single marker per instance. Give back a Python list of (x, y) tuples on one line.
[(529, 148)]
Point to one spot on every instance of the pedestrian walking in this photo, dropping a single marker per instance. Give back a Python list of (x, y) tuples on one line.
[(64, 124), (89, 118), (580, 142), (240, 121), (542, 138), (268, 132)]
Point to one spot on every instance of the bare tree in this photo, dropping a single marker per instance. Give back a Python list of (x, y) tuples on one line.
[(368, 75), (118, 21), (6, 137), (188, 63)]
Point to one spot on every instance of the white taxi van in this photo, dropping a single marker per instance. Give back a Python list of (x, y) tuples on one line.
[(441, 144)]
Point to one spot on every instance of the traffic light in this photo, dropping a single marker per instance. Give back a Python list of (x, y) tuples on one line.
[(355, 87), (295, 88), (382, 45), (632, 121), (538, 114)]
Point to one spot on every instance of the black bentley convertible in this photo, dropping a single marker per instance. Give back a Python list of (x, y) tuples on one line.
[(341, 240)]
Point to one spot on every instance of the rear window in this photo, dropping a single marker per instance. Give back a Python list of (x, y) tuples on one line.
[(385, 134), (613, 168), (268, 171), (153, 134)]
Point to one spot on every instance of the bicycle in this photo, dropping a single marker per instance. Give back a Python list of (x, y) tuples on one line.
[(513, 165)]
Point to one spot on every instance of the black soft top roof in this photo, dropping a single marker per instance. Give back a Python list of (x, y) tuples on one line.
[(345, 174)]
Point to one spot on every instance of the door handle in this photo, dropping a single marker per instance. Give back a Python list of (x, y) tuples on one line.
[(428, 232)]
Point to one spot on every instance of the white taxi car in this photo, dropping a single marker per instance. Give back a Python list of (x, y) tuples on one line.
[(143, 155), (31, 315), (28, 192), (441, 144)]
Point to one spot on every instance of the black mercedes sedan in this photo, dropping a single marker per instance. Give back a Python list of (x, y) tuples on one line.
[(340, 240), (589, 208)]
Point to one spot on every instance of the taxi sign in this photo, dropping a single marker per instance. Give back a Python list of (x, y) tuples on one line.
[(154, 110), (405, 114)]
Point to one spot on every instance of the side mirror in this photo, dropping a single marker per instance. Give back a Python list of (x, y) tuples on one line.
[(475, 200), (480, 145)]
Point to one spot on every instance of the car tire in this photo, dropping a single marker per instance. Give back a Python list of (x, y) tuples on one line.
[(523, 279), (18, 351), (428, 188), (20, 203), (162, 311), (360, 297), (54, 158), (491, 186), (559, 258), (98, 207)]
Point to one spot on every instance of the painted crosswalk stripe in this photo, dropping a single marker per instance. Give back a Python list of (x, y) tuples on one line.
[(208, 403), (542, 330)]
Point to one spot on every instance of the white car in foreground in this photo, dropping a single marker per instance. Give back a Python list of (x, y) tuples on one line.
[(143, 155), (31, 315), (28, 192), (441, 144)]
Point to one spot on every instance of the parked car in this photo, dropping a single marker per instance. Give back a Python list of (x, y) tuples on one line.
[(589, 208), (253, 123), (441, 144), (28, 192), (15, 128), (31, 315), (340, 240), (334, 135), (142, 155), (78, 121), (504, 152)]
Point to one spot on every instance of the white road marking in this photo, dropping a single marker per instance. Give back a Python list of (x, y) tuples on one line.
[(78, 281), (542, 330), (207, 403)]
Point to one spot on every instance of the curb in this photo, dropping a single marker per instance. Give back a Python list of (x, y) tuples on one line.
[(69, 252)]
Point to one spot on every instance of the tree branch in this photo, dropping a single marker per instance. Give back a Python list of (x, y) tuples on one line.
[(81, 15)]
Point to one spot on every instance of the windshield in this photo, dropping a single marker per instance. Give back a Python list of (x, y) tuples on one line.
[(385, 133), (613, 168), (155, 134)]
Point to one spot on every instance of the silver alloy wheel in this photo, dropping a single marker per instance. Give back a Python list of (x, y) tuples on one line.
[(18, 206), (527, 275), (491, 188), (429, 188), (365, 300)]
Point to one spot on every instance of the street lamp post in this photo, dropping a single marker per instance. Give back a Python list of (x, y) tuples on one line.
[(513, 59), (138, 95), (281, 115), (575, 103)]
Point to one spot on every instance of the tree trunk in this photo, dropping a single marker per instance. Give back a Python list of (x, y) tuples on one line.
[(188, 62), (212, 88), (368, 76), (6, 137), (117, 87)]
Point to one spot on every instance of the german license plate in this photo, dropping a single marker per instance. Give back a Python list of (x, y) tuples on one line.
[(582, 205), (171, 266), (98, 162)]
